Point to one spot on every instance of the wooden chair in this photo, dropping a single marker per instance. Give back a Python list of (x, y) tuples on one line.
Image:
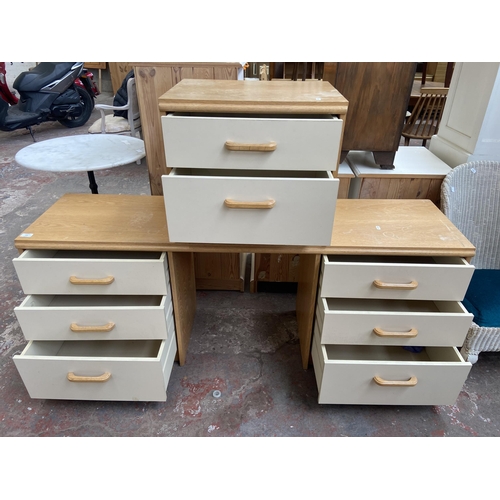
[(312, 70), (423, 121)]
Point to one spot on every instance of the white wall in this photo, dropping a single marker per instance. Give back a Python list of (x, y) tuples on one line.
[(470, 126)]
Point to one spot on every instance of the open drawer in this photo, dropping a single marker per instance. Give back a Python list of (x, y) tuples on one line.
[(391, 277), (127, 370), (82, 272), (392, 322), (249, 207), (267, 142), (96, 317), (388, 375)]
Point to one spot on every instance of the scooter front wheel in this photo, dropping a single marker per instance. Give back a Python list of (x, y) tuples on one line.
[(86, 103)]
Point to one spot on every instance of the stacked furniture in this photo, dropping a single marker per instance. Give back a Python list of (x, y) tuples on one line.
[(399, 259)]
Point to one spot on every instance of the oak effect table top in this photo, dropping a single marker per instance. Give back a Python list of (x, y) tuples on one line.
[(134, 222), (249, 96)]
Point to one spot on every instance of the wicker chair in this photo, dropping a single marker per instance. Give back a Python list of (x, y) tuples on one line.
[(470, 198)]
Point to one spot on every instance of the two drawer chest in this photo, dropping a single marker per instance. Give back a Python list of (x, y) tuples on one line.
[(405, 234), (252, 162)]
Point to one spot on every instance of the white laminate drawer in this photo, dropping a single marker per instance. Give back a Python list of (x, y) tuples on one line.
[(76, 272), (392, 322), (95, 317), (130, 370), (348, 374), (289, 142), (418, 278), (196, 203)]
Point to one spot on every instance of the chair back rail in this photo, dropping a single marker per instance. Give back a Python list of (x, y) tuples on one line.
[(424, 120)]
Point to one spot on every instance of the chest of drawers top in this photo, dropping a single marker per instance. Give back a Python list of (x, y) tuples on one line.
[(244, 96)]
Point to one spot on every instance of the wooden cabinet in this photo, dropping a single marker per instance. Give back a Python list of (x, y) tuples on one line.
[(153, 79), (378, 95), (418, 174)]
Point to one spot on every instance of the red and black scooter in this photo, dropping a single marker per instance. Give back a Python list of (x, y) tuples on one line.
[(48, 92)]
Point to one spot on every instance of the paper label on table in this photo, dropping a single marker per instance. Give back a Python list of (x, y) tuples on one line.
[(26, 235)]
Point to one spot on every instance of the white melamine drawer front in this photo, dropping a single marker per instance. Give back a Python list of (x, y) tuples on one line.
[(392, 322), (289, 143), (75, 272), (130, 370), (419, 278), (303, 206), (348, 374), (95, 317)]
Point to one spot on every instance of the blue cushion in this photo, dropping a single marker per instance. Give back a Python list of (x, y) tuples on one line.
[(483, 297)]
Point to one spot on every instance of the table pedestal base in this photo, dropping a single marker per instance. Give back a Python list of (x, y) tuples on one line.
[(92, 182)]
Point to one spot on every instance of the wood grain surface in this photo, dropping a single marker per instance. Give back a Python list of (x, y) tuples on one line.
[(132, 222), (248, 96)]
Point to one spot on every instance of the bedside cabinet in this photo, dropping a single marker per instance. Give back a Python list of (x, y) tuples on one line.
[(417, 174), (386, 330), (252, 162), (100, 325)]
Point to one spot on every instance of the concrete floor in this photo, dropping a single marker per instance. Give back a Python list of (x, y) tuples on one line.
[(243, 345)]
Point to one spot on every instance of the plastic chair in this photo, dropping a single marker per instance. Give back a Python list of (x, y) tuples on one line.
[(470, 198), (424, 120), (110, 124)]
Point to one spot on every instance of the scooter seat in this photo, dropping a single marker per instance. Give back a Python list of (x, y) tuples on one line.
[(41, 75), (14, 119)]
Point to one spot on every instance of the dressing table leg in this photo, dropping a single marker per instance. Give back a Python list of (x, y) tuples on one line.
[(306, 302), (182, 280)]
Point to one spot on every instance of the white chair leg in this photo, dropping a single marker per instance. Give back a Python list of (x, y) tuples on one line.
[(469, 356), (472, 358)]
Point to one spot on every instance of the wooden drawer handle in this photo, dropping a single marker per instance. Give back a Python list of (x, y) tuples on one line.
[(100, 378), (249, 204), (411, 382), (91, 281), (396, 286), (238, 146), (382, 333), (100, 328)]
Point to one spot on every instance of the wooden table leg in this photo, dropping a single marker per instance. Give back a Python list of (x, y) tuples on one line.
[(306, 302), (182, 280)]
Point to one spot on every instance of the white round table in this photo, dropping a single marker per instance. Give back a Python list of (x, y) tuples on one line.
[(82, 153)]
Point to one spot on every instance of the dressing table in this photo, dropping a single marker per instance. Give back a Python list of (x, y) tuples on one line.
[(390, 229)]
